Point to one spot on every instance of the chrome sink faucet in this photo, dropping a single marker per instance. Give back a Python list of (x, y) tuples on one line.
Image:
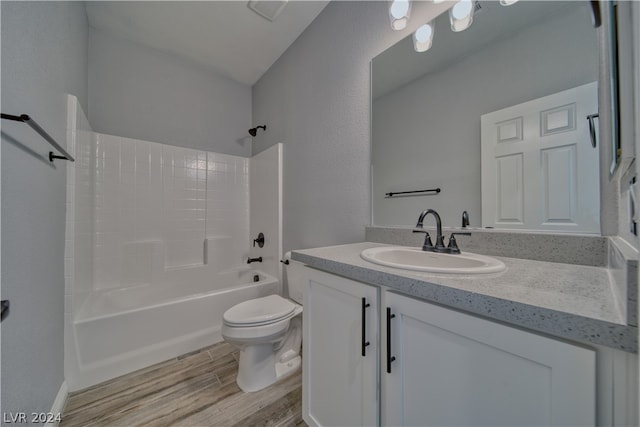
[(428, 246)]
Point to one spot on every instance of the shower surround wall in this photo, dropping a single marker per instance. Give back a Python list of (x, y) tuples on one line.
[(79, 229), (163, 212), (144, 212), (146, 220)]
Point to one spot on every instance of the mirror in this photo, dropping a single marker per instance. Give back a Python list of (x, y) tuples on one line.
[(427, 107)]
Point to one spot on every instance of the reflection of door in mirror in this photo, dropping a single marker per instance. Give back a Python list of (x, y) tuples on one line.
[(539, 169)]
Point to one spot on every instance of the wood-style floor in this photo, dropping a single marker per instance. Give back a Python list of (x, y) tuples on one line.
[(193, 390)]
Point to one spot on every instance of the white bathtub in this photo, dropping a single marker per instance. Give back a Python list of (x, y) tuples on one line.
[(123, 330)]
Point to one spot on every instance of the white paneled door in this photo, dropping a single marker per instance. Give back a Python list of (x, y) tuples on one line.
[(539, 168)]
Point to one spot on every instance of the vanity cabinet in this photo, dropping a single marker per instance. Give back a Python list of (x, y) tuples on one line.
[(448, 368), (340, 351), (437, 366)]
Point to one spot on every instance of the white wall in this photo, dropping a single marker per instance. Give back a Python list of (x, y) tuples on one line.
[(79, 229), (265, 189), (426, 134), (44, 56), (315, 99), (143, 93)]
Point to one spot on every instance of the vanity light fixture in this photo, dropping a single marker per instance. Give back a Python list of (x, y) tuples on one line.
[(399, 11), (461, 15), (423, 37), (508, 2)]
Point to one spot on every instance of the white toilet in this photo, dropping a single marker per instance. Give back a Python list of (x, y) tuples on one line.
[(268, 333)]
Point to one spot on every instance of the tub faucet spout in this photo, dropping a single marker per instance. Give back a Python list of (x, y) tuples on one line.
[(250, 260)]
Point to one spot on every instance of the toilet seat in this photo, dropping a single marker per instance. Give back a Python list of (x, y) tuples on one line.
[(259, 311), (260, 320)]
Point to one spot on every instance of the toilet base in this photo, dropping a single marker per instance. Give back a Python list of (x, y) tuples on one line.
[(287, 368), (259, 367), (264, 359)]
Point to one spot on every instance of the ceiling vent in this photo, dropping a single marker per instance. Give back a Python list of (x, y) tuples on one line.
[(267, 9)]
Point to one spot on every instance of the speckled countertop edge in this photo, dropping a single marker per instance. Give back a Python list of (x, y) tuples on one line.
[(525, 295)]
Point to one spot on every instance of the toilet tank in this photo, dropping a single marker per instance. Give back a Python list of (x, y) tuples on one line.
[(295, 278)]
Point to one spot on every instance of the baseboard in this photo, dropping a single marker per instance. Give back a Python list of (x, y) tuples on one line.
[(58, 405)]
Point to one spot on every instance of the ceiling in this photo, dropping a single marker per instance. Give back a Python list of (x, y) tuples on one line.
[(402, 64), (225, 36)]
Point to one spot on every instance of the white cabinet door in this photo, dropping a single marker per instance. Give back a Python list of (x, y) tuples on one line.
[(339, 382), (539, 169), (452, 369)]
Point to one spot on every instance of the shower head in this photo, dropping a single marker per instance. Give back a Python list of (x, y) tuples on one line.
[(254, 131)]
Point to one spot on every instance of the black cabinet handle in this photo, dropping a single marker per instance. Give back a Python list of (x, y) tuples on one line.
[(363, 341), (389, 357)]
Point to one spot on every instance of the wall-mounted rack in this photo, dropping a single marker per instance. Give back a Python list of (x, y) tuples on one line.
[(415, 193), (35, 126)]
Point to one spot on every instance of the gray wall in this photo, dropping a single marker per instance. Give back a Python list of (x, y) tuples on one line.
[(426, 134), (143, 93), (44, 56), (315, 99)]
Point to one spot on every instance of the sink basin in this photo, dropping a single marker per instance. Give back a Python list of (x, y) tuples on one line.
[(418, 260)]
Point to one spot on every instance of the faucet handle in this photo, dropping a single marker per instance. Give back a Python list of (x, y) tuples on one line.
[(453, 248), (428, 244), (259, 240), (465, 219)]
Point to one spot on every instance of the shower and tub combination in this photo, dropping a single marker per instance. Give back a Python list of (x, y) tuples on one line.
[(157, 243)]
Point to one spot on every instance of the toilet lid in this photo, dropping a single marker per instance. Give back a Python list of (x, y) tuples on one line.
[(259, 310)]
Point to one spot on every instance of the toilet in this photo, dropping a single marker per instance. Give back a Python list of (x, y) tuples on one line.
[(268, 333)]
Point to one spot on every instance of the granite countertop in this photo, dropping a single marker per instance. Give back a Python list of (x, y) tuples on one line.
[(569, 301)]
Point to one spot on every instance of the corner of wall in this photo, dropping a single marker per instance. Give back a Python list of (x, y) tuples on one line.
[(58, 406), (265, 201), (79, 141)]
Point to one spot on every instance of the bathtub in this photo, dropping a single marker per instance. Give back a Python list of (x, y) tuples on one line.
[(120, 331)]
